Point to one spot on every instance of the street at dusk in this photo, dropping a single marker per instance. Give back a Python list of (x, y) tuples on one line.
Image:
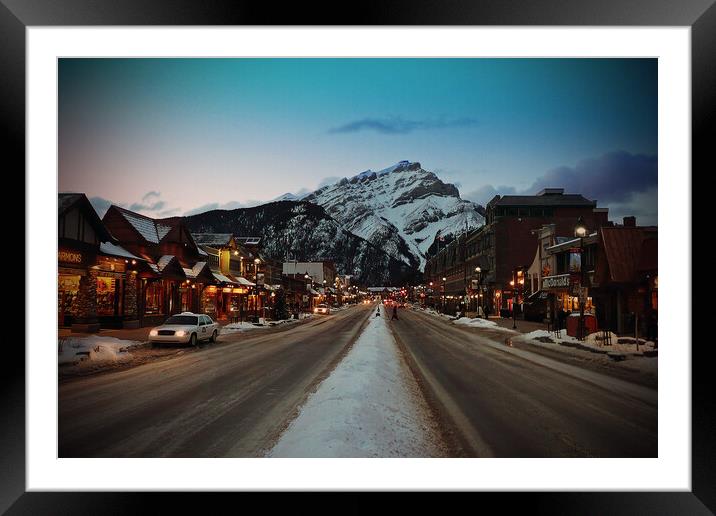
[(357, 258)]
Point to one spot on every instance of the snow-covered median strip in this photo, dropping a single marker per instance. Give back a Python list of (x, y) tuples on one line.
[(95, 348), (370, 406)]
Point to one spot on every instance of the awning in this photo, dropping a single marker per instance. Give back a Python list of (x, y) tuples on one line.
[(244, 282)]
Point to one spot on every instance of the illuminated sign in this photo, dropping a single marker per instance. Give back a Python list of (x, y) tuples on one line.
[(561, 281), (69, 257)]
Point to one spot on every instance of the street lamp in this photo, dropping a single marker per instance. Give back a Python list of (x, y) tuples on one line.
[(442, 308), (580, 231)]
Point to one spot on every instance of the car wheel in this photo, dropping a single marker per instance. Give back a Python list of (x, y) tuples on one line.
[(213, 337), (193, 341)]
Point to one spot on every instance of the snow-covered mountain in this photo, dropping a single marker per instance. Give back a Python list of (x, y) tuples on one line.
[(401, 209), (305, 231)]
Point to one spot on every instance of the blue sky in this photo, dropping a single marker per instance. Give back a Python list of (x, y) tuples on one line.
[(170, 136)]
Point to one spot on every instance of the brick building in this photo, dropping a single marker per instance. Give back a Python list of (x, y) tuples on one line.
[(502, 247)]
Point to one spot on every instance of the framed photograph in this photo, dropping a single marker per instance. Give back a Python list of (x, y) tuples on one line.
[(415, 253)]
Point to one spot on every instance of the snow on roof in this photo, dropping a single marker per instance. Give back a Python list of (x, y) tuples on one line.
[(197, 268), (212, 239), (150, 229), (314, 292), (115, 250), (162, 230), (189, 273), (244, 281), (154, 267), (164, 261), (223, 278), (202, 252)]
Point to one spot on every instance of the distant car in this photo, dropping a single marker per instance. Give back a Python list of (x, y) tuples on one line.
[(185, 328), (322, 309)]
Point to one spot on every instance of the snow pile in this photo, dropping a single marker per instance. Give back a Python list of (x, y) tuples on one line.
[(243, 326), (477, 323), (95, 348), (593, 341), (370, 406)]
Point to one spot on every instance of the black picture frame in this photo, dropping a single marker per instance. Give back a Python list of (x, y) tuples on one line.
[(700, 15)]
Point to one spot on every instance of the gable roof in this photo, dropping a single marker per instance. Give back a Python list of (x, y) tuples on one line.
[(68, 201), (151, 230)]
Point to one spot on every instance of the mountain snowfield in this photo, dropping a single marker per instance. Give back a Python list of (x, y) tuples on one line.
[(401, 209)]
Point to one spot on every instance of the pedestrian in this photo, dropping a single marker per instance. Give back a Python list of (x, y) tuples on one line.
[(377, 312), (395, 313)]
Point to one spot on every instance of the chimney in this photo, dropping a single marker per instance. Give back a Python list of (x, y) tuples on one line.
[(630, 222)]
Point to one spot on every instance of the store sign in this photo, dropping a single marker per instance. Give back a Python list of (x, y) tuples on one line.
[(69, 256), (561, 281)]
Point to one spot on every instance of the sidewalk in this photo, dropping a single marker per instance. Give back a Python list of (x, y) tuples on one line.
[(522, 326)]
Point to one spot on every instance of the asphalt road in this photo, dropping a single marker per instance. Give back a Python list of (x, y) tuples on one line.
[(225, 401), (512, 403)]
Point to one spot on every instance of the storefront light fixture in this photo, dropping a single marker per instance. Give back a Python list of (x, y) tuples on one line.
[(580, 229)]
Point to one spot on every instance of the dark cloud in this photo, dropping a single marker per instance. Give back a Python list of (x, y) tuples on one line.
[(485, 193), (150, 202), (398, 125), (614, 177)]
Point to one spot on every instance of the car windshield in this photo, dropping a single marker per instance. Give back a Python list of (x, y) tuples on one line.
[(190, 320), (322, 306)]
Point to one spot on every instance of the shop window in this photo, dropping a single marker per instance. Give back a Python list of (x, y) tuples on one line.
[(68, 287), (153, 298), (654, 299), (105, 295)]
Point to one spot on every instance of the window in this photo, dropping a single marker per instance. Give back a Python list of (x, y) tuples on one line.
[(153, 298), (105, 295)]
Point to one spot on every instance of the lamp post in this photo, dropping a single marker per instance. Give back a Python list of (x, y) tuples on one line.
[(580, 231), (478, 304), (442, 307), (257, 261), (514, 298)]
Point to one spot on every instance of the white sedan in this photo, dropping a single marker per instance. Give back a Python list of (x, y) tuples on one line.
[(322, 309), (184, 328)]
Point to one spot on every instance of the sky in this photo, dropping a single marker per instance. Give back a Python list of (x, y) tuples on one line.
[(177, 136)]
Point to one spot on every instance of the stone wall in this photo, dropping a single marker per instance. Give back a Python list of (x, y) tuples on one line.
[(130, 296)]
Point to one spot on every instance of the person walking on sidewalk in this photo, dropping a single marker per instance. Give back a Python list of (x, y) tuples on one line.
[(395, 313)]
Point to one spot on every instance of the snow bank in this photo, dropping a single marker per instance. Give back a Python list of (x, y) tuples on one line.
[(95, 348), (370, 406), (477, 323), (593, 341)]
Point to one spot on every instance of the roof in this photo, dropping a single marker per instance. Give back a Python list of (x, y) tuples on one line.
[(150, 229), (164, 261), (251, 240), (622, 246), (543, 200), (244, 281), (111, 249), (67, 201), (649, 260), (189, 273), (212, 239), (224, 279)]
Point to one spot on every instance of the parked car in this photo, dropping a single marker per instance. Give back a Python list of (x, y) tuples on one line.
[(185, 328), (322, 309)]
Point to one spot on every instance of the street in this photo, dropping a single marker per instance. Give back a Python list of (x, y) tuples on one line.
[(502, 405), (223, 401), (238, 399)]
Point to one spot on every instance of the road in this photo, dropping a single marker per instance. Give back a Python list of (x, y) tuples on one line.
[(501, 402), (231, 400)]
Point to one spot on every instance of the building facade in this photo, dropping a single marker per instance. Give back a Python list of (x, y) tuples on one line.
[(492, 261)]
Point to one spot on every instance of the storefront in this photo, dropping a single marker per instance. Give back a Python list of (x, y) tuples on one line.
[(75, 304)]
